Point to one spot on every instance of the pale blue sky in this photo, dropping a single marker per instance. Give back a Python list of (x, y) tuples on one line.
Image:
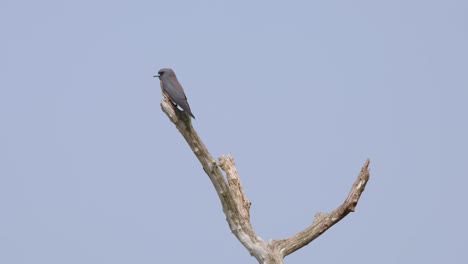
[(299, 92)]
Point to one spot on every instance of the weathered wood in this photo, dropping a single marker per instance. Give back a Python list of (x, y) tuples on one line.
[(236, 206)]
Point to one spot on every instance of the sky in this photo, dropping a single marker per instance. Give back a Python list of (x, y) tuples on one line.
[(300, 93)]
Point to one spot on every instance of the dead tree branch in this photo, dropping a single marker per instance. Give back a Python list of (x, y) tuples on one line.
[(236, 206)]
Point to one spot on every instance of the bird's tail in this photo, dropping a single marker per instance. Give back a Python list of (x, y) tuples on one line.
[(186, 108)]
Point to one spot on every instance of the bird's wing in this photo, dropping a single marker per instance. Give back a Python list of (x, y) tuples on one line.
[(175, 90)]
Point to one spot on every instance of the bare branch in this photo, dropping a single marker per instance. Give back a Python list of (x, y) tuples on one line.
[(236, 206), (227, 165), (323, 221)]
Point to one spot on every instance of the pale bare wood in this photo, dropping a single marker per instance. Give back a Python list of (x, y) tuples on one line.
[(323, 221), (236, 206)]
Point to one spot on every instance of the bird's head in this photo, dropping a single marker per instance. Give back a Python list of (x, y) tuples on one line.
[(164, 72)]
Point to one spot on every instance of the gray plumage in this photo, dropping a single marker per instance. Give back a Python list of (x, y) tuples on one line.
[(173, 90)]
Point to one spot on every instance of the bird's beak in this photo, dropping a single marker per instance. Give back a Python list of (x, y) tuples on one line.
[(157, 75)]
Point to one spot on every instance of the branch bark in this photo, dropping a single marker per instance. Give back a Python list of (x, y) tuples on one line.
[(236, 206)]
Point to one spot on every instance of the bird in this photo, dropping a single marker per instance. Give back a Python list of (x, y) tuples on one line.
[(172, 89)]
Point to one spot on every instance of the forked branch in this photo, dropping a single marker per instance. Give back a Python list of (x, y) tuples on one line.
[(236, 206)]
